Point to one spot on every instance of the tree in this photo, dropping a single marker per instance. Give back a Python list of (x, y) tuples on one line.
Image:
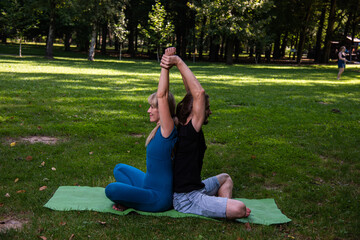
[(120, 28), (307, 5), (19, 19), (99, 12), (329, 31), (159, 29)]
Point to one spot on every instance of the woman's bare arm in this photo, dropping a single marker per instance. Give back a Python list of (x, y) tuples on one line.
[(166, 121)]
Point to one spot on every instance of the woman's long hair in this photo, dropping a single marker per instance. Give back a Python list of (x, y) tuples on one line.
[(152, 99), (184, 107)]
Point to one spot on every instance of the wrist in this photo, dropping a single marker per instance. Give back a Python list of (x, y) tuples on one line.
[(179, 61)]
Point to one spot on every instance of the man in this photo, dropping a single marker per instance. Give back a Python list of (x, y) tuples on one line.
[(211, 197)]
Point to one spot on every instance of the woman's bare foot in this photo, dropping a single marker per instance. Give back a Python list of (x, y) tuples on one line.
[(170, 51), (119, 207)]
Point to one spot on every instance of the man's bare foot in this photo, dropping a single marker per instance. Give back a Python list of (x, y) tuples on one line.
[(248, 211), (119, 207), (170, 51)]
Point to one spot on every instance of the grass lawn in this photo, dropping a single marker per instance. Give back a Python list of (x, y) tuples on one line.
[(291, 133)]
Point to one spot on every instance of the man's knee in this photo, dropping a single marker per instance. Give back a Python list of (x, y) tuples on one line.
[(224, 178)]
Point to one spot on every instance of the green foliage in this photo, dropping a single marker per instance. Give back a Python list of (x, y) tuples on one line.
[(120, 26), (159, 29)]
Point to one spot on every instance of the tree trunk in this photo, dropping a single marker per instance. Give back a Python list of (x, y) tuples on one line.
[(303, 33), (201, 40), (103, 38), (268, 53), (251, 52), (329, 32), (3, 37), (136, 41), (120, 51), (50, 37), (230, 42), (319, 36), (284, 44), (116, 44), (131, 38), (214, 49), (20, 55), (67, 41), (296, 44), (276, 54), (223, 40), (50, 41), (237, 49), (93, 44)]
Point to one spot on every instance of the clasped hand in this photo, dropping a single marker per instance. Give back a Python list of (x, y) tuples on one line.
[(168, 62)]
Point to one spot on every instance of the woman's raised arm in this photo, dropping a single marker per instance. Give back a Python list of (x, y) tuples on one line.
[(166, 120)]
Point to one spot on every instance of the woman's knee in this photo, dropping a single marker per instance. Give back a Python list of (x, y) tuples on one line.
[(109, 190)]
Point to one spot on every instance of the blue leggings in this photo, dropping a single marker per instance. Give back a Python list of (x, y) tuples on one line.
[(130, 190)]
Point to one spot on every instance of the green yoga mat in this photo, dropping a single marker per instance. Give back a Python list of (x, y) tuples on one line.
[(68, 198)]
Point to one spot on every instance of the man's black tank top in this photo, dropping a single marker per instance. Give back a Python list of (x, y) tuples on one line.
[(188, 161)]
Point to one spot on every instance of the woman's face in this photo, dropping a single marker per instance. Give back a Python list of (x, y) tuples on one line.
[(153, 114), (344, 49)]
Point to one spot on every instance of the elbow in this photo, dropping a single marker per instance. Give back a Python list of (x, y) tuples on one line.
[(161, 94), (198, 94)]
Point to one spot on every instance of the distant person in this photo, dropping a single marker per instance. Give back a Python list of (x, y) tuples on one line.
[(151, 191), (342, 61), (211, 197)]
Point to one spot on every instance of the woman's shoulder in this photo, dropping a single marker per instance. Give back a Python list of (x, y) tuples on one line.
[(172, 135)]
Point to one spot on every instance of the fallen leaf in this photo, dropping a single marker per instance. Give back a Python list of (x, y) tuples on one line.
[(72, 237), (29, 158), (248, 227), (43, 164), (62, 223), (7, 195), (90, 153), (42, 188), (54, 169), (102, 223), (253, 156), (39, 127), (12, 144), (21, 191), (140, 105), (43, 238), (1, 204), (274, 174), (45, 179), (16, 180), (335, 110)]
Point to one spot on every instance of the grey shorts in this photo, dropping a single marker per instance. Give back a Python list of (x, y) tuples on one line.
[(203, 201)]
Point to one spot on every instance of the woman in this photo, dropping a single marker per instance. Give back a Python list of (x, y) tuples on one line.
[(150, 191), (342, 61)]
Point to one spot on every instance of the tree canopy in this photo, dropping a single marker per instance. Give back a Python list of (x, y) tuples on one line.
[(219, 29)]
